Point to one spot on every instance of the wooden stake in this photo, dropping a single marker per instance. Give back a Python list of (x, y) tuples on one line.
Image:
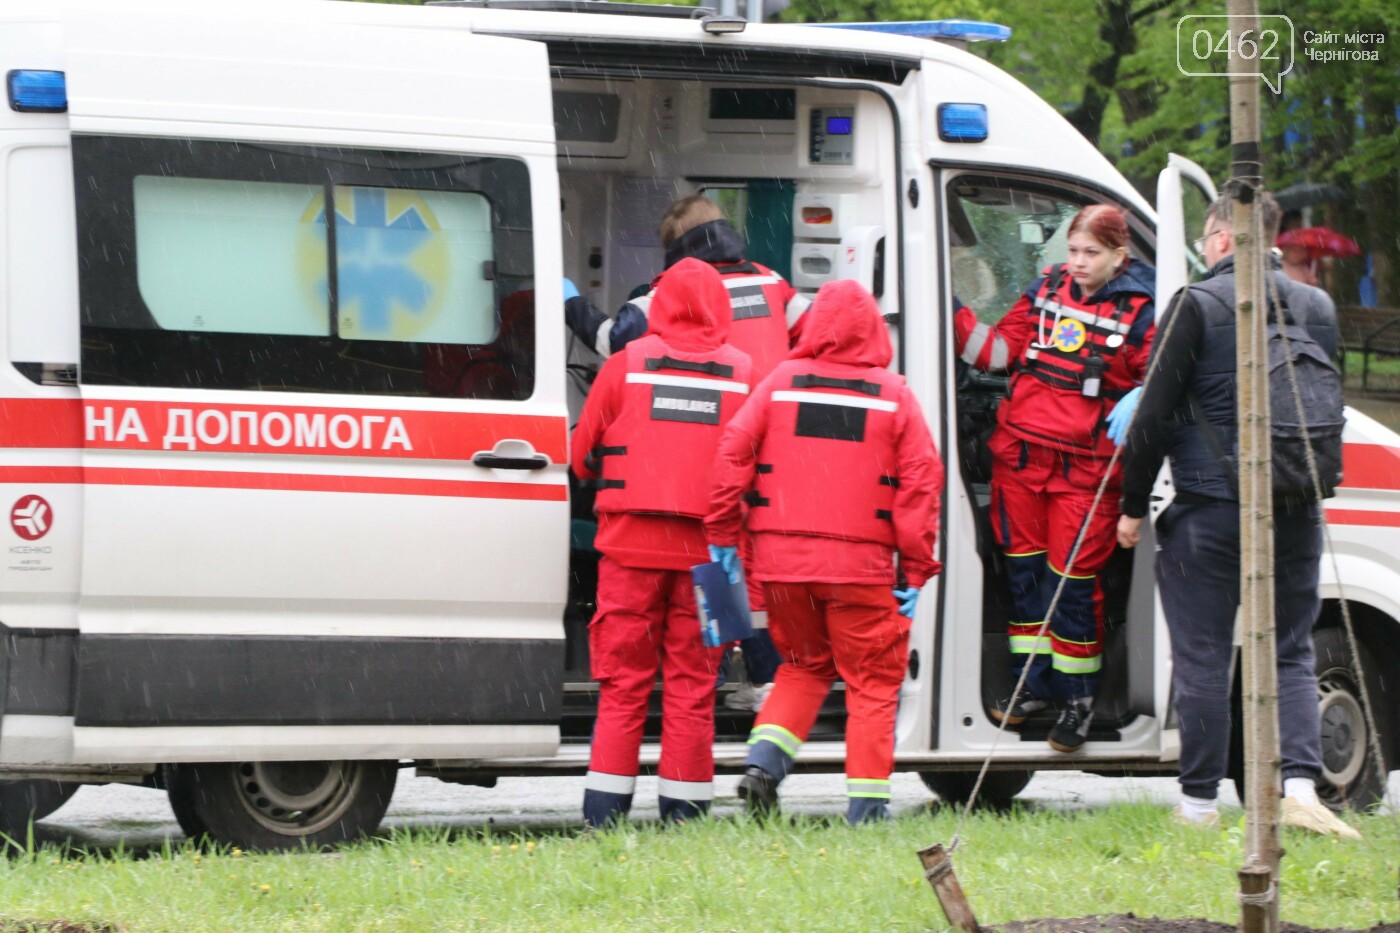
[(1260, 672), (1258, 900), (938, 869)]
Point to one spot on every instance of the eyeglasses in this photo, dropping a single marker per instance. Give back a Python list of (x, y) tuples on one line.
[(1200, 244)]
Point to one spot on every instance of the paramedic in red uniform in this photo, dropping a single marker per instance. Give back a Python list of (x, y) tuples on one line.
[(767, 319), (1077, 343), (646, 442), (836, 463)]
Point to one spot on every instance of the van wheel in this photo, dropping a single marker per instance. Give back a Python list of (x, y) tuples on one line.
[(999, 788), (282, 804), (25, 801), (180, 791), (1349, 777)]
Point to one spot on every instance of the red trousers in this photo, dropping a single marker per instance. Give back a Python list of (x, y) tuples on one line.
[(828, 630), (1041, 499), (646, 623)]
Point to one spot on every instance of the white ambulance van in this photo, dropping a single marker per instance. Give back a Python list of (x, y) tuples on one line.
[(283, 422)]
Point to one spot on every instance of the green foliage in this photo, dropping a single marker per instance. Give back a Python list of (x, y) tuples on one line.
[(723, 874)]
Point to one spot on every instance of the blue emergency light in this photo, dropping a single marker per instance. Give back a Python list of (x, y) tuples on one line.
[(33, 91), (963, 30), (962, 123)]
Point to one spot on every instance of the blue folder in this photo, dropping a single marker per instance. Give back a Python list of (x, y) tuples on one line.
[(722, 604)]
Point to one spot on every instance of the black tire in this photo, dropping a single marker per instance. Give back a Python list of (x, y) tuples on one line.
[(281, 805), (1349, 773), (999, 788), (25, 801), (1349, 779), (181, 794)]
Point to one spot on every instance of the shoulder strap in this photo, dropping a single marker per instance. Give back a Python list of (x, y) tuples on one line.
[(743, 267)]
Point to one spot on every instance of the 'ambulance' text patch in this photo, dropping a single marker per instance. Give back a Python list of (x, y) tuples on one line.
[(679, 403)]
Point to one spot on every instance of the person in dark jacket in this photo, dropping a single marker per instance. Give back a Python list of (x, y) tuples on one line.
[(1193, 376), (1077, 341)]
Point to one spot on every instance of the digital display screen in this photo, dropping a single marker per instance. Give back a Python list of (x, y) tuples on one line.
[(838, 126), (753, 103)]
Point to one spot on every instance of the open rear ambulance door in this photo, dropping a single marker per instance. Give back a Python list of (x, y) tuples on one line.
[(325, 440), (1184, 191)]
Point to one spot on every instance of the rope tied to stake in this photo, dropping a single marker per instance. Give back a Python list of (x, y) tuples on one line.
[(1262, 899), (935, 873)]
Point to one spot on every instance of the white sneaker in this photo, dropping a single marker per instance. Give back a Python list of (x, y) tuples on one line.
[(1315, 818), (748, 697), (1210, 821)]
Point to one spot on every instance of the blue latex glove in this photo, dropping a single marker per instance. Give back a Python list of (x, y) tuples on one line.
[(728, 558), (570, 289), (1122, 416), (908, 601)]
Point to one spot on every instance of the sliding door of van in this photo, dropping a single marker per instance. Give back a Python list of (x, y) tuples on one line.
[(324, 457)]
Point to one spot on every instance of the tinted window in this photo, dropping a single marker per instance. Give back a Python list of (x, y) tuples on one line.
[(244, 266)]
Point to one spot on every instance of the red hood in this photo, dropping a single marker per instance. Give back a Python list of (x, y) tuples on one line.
[(844, 325), (690, 308)]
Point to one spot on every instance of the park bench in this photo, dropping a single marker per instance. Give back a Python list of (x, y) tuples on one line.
[(1370, 332)]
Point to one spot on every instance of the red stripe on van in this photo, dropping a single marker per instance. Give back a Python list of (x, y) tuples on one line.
[(298, 482), (1370, 466), (1363, 517), (433, 435)]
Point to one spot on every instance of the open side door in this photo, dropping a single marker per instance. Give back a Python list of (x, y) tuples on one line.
[(325, 438), (1184, 191)]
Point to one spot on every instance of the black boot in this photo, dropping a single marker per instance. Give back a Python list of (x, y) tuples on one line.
[(1072, 728), (759, 791)]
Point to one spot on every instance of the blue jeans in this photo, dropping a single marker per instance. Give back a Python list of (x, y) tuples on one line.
[(1198, 579)]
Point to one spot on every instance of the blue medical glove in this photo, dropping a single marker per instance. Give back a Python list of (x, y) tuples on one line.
[(908, 601), (570, 289), (728, 558), (1122, 416)]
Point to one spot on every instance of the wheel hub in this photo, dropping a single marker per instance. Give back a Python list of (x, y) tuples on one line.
[(1343, 733), (296, 797)]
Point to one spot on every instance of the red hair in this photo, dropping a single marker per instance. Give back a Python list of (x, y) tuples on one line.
[(1103, 222)]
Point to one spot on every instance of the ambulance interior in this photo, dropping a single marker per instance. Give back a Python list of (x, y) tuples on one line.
[(799, 171), (1004, 229)]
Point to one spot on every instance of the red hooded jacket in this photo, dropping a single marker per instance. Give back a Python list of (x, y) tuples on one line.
[(846, 335), (690, 314)]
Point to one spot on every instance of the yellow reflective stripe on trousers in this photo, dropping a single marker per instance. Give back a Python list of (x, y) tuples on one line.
[(1029, 644), (1068, 665), (771, 732), (868, 787)]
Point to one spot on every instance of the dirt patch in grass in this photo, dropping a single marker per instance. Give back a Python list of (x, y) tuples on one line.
[(1128, 923)]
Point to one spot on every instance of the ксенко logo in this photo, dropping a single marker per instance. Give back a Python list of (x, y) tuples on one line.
[(31, 517)]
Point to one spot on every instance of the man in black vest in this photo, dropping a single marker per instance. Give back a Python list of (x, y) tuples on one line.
[(1198, 558)]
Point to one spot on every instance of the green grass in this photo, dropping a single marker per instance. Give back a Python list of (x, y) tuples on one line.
[(1384, 369), (719, 875)]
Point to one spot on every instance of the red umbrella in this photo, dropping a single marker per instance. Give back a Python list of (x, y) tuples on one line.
[(1320, 241)]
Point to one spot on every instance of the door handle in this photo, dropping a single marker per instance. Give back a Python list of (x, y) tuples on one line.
[(496, 462)]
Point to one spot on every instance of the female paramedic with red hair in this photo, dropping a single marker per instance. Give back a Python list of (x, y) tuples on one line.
[(1077, 344), (646, 442)]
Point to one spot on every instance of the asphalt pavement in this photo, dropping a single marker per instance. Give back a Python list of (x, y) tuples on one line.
[(140, 818)]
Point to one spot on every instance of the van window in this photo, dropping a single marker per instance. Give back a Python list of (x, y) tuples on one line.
[(243, 266), (1003, 232)]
